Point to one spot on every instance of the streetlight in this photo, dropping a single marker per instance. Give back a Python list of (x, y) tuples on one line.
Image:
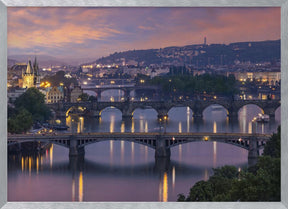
[(165, 122)]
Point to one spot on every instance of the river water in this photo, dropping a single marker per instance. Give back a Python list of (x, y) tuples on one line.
[(124, 171)]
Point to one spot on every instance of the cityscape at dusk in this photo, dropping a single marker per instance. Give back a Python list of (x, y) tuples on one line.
[(144, 104)]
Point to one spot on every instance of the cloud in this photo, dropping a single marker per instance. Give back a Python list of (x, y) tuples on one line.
[(100, 31)]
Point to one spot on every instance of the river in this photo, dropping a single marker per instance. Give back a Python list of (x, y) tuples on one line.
[(124, 171)]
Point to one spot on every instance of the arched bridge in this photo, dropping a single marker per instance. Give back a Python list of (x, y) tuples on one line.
[(127, 89), (160, 142), (162, 107)]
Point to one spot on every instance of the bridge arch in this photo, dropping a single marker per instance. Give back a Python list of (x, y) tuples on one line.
[(235, 142), (77, 109), (149, 112), (148, 143), (215, 107), (180, 111), (62, 143), (110, 107), (122, 94), (243, 110)]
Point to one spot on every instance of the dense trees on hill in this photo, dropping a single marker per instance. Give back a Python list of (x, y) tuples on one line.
[(194, 85), (259, 183)]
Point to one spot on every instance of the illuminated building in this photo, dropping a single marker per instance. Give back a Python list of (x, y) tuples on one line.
[(75, 93), (270, 77), (31, 77), (54, 95)]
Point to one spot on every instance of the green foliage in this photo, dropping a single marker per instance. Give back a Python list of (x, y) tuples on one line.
[(273, 147), (227, 171), (29, 108), (193, 85), (201, 191), (262, 186), (33, 101), (260, 183), (84, 97), (20, 122)]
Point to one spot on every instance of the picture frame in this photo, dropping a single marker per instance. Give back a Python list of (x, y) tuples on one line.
[(141, 3)]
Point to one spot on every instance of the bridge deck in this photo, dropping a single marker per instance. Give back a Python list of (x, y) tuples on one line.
[(137, 135)]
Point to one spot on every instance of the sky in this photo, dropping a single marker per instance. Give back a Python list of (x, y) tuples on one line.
[(73, 33)]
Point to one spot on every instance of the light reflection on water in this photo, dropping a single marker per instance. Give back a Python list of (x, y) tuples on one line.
[(115, 170)]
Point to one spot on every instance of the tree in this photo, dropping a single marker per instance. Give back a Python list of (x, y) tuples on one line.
[(84, 97), (262, 182), (33, 101), (273, 146), (21, 122)]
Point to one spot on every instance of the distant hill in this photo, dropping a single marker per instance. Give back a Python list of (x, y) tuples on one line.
[(43, 60), (11, 62), (199, 55)]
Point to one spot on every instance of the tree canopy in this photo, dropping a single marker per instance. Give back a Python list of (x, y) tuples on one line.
[(196, 85), (29, 108), (260, 183)]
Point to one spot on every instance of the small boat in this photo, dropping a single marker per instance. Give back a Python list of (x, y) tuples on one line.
[(262, 118)]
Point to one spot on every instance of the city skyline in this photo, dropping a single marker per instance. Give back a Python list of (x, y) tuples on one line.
[(69, 33)]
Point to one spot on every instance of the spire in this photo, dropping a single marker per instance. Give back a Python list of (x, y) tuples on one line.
[(29, 68), (36, 67)]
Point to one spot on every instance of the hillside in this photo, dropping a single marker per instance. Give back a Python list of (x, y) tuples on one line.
[(199, 55)]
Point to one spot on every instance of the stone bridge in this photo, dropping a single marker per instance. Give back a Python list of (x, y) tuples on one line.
[(162, 107), (160, 142), (127, 89)]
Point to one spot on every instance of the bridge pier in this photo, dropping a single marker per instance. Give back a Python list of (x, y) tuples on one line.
[(74, 150), (162, 117), (270, 112), (127, 117), (162, 164), (232, 113), (127, 112), (161, 151), (252, 153), (76, 163), (197, 115), (96, 113)]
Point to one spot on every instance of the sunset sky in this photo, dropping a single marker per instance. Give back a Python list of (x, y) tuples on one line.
[(94, 32)]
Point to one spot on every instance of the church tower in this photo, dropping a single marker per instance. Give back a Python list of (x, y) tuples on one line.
[(36, 73), (31, 77)]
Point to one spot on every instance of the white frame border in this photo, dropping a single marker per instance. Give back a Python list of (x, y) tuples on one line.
[(142, 3)]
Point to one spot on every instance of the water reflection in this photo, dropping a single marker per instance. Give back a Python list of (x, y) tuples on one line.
[(122, 151), (95, 173), (173, 177), (180, 120), (214, 127), (180, 127), (80, 187), (121, 172), (214, 154), (165, 187), (51, 155)]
